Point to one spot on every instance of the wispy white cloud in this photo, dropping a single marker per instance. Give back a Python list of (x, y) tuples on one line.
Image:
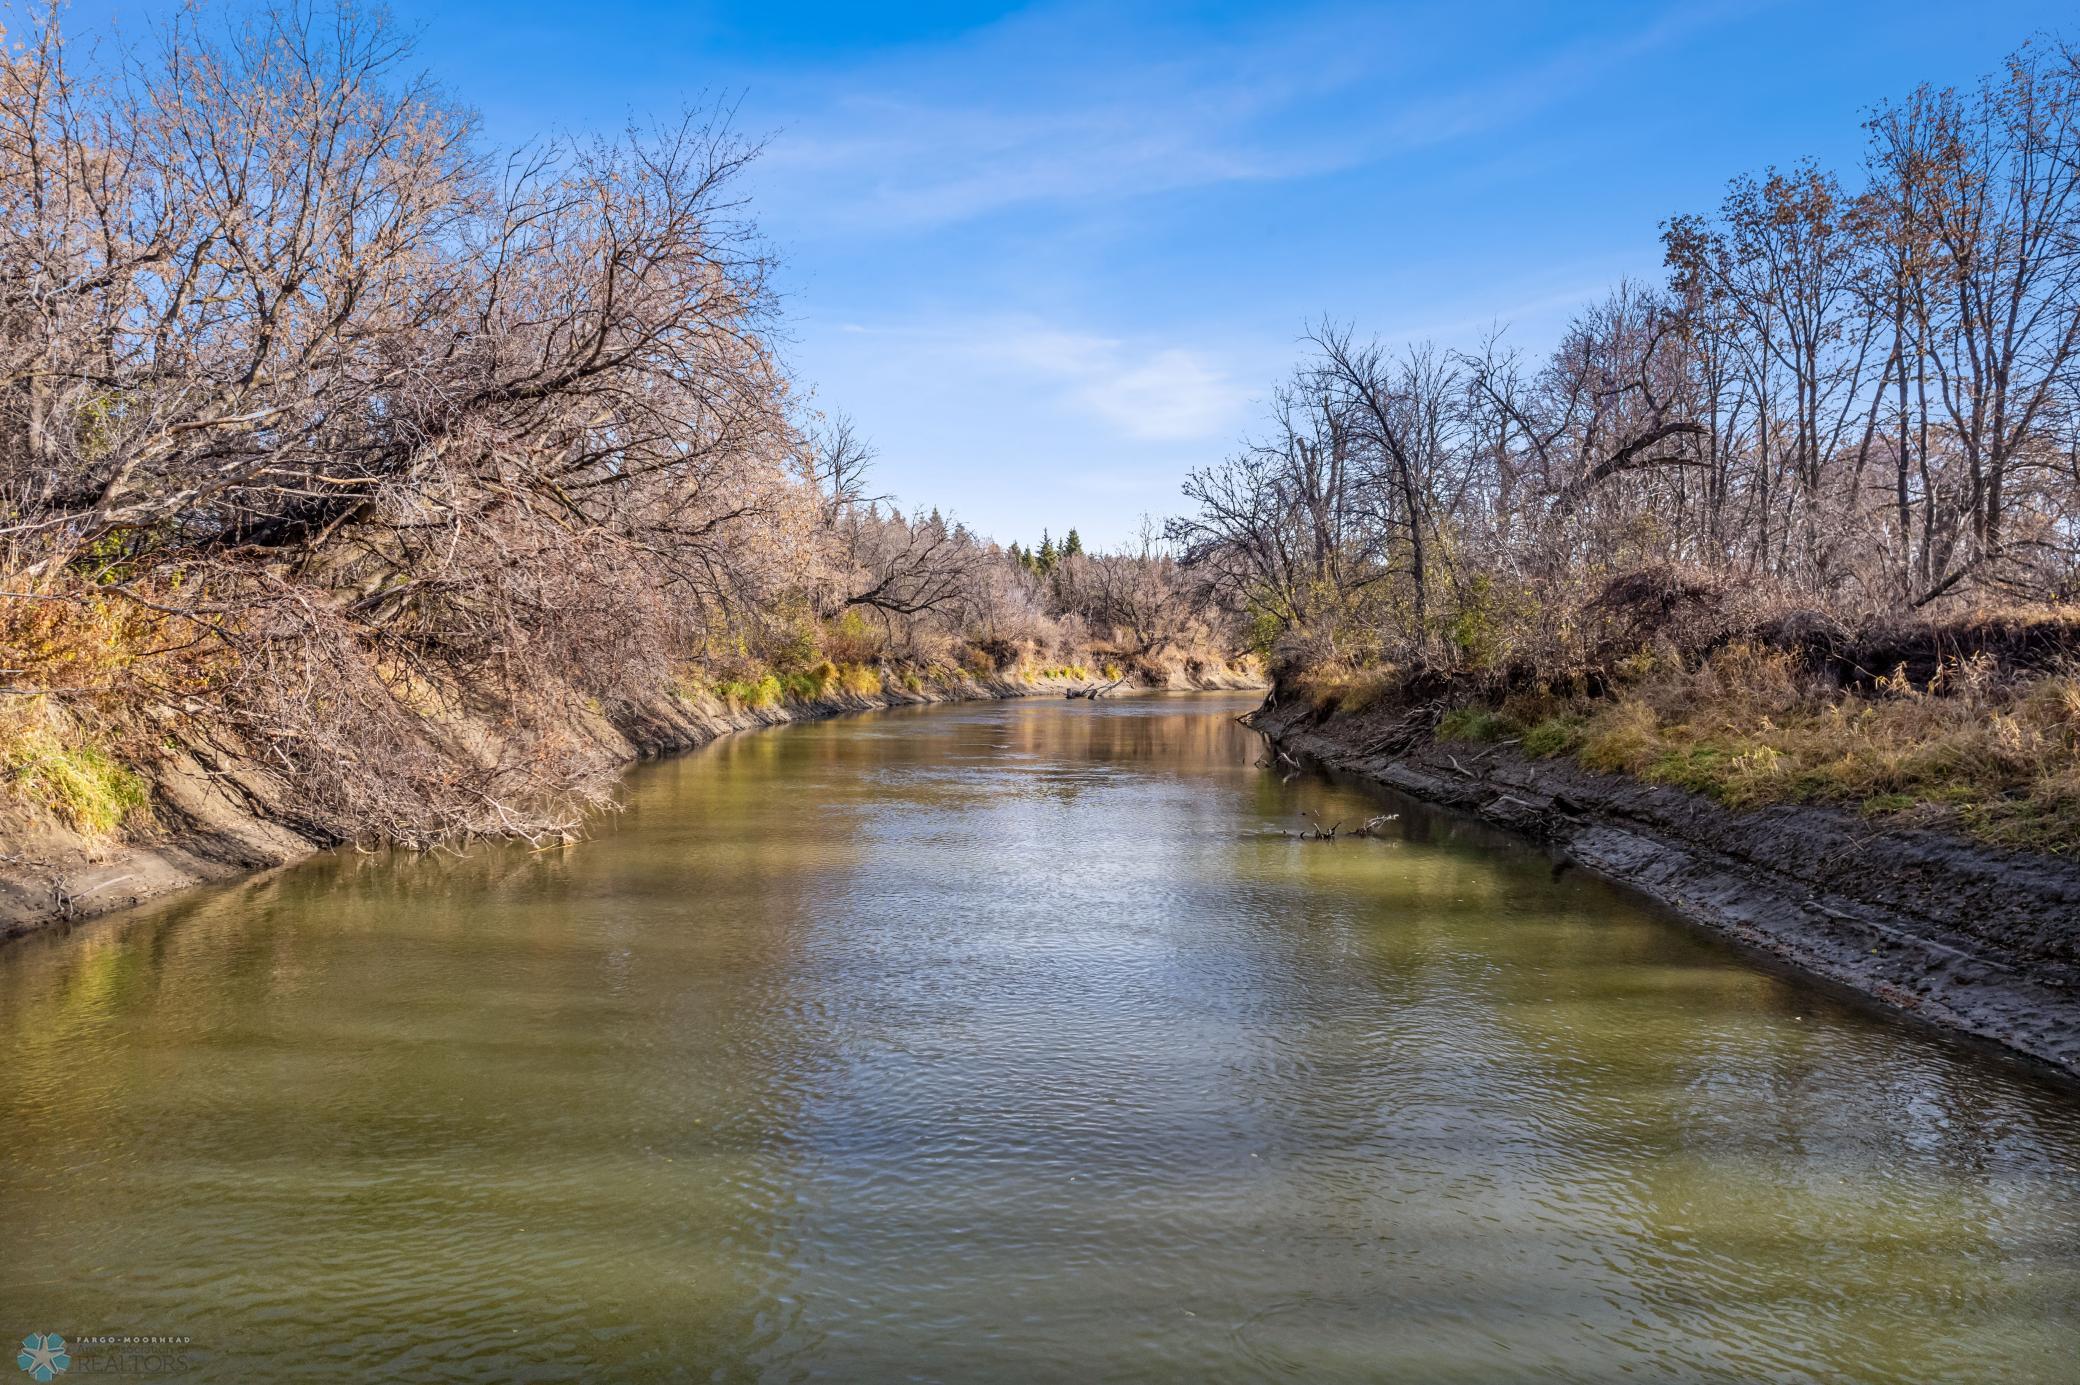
[(1099, 113), (901, 166), (1131, 390), (1025, 328), (1141, 392), (1172, 396)]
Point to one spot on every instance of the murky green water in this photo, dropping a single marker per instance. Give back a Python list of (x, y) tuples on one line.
[(1004, 1042)]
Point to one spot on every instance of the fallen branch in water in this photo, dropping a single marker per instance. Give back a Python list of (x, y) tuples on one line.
[(1371, 827), (1094, 693)]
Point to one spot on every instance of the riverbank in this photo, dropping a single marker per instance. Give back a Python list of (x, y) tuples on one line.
[(1961, 934), (216, 821), (1004, 1041)]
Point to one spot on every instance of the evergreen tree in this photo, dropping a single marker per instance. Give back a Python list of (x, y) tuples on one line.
[(1072, 547), (1048, 555)]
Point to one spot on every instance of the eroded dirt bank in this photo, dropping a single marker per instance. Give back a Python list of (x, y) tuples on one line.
[(1961, 935), (217, 821)]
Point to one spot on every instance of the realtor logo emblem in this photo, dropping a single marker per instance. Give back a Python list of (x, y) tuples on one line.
[(43, 1356)]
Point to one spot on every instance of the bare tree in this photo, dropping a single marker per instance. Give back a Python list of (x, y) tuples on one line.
[(1861, 398)]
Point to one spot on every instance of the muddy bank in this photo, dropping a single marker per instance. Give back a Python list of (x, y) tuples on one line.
[(1965, 936), (218, 821)]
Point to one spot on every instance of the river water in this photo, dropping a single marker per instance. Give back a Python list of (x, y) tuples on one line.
[(1012, 1041)]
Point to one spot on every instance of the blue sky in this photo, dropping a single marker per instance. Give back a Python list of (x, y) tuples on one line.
[(1050, 257)]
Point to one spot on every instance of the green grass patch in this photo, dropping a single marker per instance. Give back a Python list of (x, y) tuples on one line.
[(1475, 724), (80, 784), (1554, 735), (1701, 769)]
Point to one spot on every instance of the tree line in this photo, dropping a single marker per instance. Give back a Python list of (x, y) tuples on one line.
[(1856, 393), (325, 424)]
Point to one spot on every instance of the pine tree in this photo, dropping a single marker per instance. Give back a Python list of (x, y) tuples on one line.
[(1048, 556), (1072, 547)]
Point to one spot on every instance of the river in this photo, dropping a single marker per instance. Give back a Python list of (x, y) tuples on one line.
[(1007, 1041)]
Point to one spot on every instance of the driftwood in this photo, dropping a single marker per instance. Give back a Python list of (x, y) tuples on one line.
[(1277, 758), (1371, 827), (1096, 691), (1407, 731), (67, 903)]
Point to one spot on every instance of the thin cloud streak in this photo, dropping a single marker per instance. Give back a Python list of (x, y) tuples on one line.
[(1248, 109), (1138, 391)]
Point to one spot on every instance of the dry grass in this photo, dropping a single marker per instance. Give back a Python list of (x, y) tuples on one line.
[(1346, 690), (1997, 758)]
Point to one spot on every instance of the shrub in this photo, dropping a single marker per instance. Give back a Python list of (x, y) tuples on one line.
[(791, 647), (850, 640), (766, 692)]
